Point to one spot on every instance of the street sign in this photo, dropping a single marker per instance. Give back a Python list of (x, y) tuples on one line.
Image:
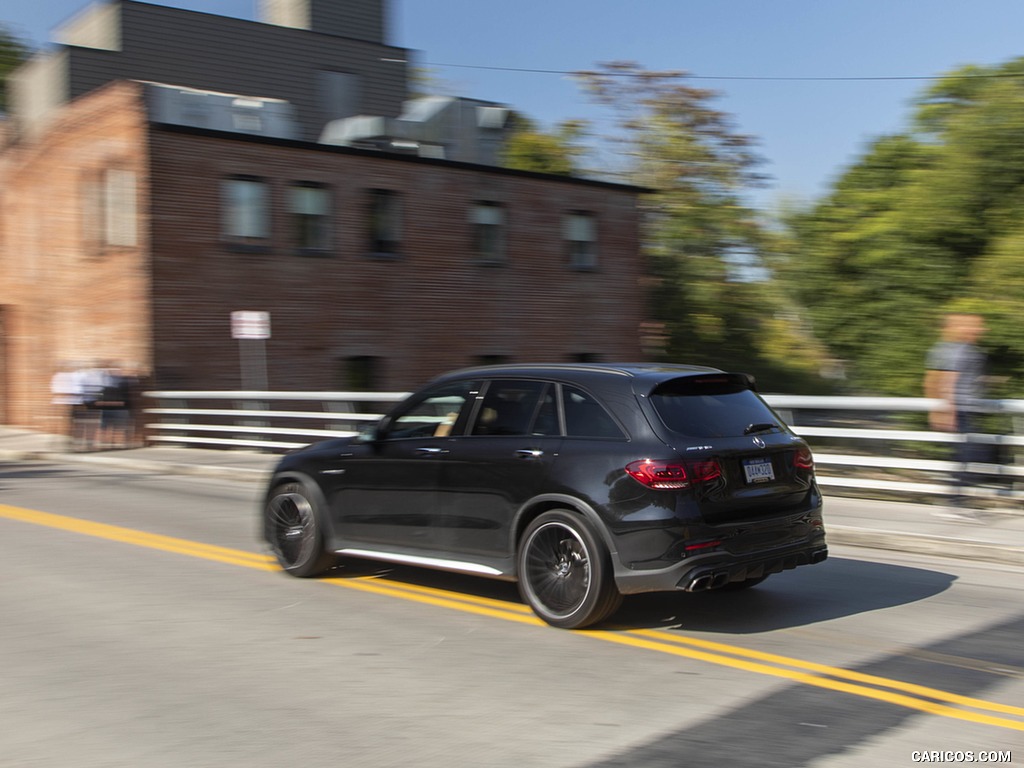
[(250, 325)]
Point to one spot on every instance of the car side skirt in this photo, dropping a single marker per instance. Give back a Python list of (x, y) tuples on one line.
[(425, 561)]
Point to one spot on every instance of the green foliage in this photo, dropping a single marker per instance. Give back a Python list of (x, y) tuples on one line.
[(529, 149), (923, 223), (707, 251), (13, 52)]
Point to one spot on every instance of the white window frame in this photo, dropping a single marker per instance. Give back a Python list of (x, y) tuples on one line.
[(579, 228), (488, 222), (384, 222), (309, 207), (246, 211)]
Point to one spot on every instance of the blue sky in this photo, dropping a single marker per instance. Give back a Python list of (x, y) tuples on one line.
[(808, 131)]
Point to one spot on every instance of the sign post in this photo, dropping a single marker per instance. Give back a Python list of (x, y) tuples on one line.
[(252, 329)]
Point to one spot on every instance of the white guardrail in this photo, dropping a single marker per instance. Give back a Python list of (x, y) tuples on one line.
[(872, 445)]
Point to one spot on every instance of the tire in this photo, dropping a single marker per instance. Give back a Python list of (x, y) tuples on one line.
[(737, 586), (293, 527), (565, 571)]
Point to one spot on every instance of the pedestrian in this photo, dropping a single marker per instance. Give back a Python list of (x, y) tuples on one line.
[(956, 378), (112, 404), (66, 395), (86, 418)]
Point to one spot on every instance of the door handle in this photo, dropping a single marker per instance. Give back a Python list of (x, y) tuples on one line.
[(430, 451), (529, 453)]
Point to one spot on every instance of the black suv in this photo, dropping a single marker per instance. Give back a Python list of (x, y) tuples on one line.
[(580, 482)]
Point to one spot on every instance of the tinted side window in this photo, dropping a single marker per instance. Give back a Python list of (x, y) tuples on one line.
[(510, 407), (432, 413), (585, 417), (711, 406), (546, 423)]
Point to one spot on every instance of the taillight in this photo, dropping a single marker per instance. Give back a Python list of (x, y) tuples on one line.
[(672, 475), (662, 475), (803, 459)]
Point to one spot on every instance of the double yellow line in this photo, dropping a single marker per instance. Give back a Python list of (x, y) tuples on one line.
[(909, 695)]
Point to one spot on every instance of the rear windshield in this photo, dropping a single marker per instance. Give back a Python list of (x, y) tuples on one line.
[(712, 406)]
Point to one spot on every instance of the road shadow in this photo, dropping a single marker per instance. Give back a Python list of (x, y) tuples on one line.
[(20, 471), (837, 588)]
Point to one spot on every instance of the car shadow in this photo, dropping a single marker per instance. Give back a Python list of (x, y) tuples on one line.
[(837, 588)]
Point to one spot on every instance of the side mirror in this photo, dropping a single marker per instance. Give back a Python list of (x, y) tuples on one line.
[(371, 432)]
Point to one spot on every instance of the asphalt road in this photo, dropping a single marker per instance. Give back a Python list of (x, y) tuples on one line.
[(141, 624)]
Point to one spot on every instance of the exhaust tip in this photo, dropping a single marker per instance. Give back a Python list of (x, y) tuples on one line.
[(700, 583), (707, 581)]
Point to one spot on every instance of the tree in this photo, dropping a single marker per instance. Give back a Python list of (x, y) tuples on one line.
[(527, 148), (702, 242), (13, 52), (923, 221), (857, 267)]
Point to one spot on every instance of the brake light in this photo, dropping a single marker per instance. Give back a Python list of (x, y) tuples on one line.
[(803, 459), (672, 475), (661, 475)]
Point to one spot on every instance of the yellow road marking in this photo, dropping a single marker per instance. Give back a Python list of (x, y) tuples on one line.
[(839, 672), (631, 638), (141, 538), (749, 660)]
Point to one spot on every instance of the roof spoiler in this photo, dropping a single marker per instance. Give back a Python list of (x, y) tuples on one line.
[(703, 382)]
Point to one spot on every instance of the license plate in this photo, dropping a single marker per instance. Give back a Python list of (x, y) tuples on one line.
[(758, 470)]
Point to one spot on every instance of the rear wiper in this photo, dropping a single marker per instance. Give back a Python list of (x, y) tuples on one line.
[(762, 427)]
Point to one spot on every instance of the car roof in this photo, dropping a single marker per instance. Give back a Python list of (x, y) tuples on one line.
[(644, 375)]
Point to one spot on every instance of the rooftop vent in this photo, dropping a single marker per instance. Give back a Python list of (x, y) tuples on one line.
[(459, 129), (256, 115)]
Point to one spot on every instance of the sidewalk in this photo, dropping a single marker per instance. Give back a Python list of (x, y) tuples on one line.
[(998, 537)]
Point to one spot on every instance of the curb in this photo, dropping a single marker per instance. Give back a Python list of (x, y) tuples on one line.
[(925, 544), (243, 474)]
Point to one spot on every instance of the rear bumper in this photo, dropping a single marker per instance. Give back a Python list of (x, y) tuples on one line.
[(715, 570), (712, 577)]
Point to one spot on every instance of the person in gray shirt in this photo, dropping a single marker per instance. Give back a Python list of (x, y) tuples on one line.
[(956, 377)]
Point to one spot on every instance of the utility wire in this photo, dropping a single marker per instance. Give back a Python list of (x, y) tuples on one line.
[(691, 76)]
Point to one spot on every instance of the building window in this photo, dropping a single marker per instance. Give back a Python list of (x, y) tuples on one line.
[(109, 210), (309, 206), (361, 373), (581, 240), (491, 359), (119, 215), (385, 222), (488, 222), (246, 203)]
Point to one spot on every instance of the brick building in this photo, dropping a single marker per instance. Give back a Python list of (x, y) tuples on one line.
[(130, 231)]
